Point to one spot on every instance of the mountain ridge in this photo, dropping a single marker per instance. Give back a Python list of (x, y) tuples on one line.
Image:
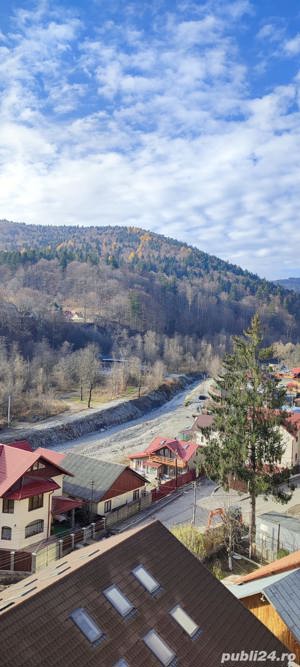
[(138, 279)]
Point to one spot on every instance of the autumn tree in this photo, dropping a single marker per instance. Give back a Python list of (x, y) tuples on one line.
[(246, 404)]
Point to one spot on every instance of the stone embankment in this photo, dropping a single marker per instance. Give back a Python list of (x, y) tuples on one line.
[(46, 435)]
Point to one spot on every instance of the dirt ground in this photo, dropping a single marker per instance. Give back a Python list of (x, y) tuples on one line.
[(117, 443)]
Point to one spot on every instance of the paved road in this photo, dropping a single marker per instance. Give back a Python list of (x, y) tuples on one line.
[(177, 508)]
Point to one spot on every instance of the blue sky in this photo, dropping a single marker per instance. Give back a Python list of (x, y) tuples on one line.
[(177, 116)]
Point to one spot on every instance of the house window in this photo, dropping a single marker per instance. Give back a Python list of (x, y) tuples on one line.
[(136, 494), (8, 506), (6, 533), (184, 620), (160, 649), (35, 502), (87, 625), (146, 579), (107, 506), (119, 601), (34, 528)]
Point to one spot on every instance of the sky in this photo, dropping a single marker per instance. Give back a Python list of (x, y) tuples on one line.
[(177, 116)]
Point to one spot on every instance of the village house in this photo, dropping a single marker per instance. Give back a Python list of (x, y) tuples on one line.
[(290, 432), (134, 600), (165, 458), (30, 493), (104, 486), (272, 594)]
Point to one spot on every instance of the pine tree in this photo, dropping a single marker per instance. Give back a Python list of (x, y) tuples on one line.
[(247, 408)]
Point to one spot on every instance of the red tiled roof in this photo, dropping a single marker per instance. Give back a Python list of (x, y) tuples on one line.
[(285, 564), (33, 488), (184, 450), (292, 423), (21, 444), (61, 504), (14, 463)]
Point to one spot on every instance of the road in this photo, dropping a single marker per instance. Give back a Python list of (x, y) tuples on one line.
[(177, 508), (116, 443)]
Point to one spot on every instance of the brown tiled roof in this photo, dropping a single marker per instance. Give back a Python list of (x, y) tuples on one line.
[(203, 421), (38, 629), (284, 564)]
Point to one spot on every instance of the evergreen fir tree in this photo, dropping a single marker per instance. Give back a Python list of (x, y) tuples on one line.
[(247, 407)]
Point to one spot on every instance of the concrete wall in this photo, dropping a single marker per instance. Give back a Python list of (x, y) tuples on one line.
[(271, 536), (20, 518), (291, 446)]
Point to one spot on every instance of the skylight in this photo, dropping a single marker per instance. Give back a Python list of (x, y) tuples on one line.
[(160, 649), (121, 663), (146, 579), (184, 620), (119, 601), (86, 624)]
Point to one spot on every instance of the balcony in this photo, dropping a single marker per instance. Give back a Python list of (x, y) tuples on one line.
[(168, 461)]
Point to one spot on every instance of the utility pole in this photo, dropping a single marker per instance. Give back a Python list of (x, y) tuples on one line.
[(176, 472), (8, 410), (92, 500), (194, 504)]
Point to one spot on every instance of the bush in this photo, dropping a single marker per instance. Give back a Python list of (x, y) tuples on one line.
[(191, 538)]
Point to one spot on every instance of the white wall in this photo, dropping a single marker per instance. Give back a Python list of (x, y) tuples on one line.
[(291, 446), (120, 500)]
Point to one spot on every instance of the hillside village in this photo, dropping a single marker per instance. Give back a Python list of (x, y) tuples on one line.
[(57, 504)]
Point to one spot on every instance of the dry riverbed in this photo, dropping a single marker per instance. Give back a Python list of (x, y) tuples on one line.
[(116, 443)]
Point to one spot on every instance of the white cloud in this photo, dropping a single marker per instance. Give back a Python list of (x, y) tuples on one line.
[(292, 46), (155, 129)]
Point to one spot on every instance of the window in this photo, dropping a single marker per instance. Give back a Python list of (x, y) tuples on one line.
[(160, 649), (146, 579), (136, 494), (184, 620), (107, 506), (119, 601), (34, 528), (87, 626), (6, 533), (35, 502), (8, 506)]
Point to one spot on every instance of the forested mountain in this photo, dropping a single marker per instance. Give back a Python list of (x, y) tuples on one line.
[(289, 283), (128, 278)]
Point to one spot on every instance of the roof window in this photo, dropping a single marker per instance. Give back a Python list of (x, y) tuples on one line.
[(121, 663), (145, 578), (184, 620), (159, 648), (119, 601), (87, 626)]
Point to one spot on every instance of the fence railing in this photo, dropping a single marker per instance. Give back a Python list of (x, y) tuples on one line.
[(166, 488)]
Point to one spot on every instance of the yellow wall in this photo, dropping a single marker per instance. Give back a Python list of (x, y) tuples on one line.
[(19, 519), (269, 617)]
